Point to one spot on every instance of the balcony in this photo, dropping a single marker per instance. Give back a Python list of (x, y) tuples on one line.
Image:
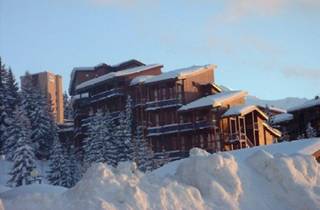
[(155, 105), (175, 128), (106, 94)]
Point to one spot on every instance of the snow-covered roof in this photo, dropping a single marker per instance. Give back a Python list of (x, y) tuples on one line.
[(140, 79), (243, 110), (112, 75), (179, 73), (271, 129), (215, 100), (281, 118), (305, 105)]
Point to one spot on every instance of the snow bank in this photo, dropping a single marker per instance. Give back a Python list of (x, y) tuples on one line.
[(221, 181)]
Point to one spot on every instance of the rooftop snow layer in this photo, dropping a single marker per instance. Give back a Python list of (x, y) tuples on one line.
[(179, 73), (242, 110), (305, 105), (140, 79), (112, 75), (281, 118), (215, 100)]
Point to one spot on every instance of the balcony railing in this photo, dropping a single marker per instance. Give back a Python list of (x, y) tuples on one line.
[(175, 128), (154, 105), (106, 94)]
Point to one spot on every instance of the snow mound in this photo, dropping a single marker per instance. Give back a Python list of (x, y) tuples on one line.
[(220, 181), (4, 188), (295, 179)]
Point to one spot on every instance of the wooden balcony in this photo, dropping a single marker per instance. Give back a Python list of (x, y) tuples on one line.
[(168, 103), (175, 128), (106, 95)]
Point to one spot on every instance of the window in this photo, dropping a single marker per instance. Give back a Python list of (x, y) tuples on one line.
[(155, 94), (183, 147), (157, 119)]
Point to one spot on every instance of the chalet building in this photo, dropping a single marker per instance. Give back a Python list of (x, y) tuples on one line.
[(294, 123), (178, 110)]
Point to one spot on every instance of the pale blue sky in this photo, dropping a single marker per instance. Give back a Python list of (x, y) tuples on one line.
[(270, 48)]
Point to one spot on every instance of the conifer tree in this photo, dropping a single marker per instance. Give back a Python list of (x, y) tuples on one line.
[(124, 133), (310, 131), (59, 171), (74, 167), (24, 160), (68, 110), (110, 143), (3, 107), (94, 142), (144, 155)]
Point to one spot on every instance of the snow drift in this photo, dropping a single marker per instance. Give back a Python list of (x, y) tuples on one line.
[(203, 181)]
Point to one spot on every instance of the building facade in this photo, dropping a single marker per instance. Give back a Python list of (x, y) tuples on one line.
[(178, 110), (50, 85), (294, 124)]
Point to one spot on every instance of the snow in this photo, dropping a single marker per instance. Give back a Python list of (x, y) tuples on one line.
[(215, 100), (279, 118), (4, 188), (249, 179), (242, 110), (179, 73), (112, 75), (31, 189), (140, 79), (285, 103), (307, 104)]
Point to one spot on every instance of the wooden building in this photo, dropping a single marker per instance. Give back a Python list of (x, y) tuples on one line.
[(178, 110), (294, 123)]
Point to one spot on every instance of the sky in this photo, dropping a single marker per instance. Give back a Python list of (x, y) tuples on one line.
[(270, 48)]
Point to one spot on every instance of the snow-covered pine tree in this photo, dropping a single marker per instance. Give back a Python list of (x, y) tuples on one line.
[(13, 134), (68, 110), (94, 142), (124, 133), (12, 91), (38, 111), (59, 171), (144, 155), (3, 107), (310, 131), (74, 167), (110, 143), (24, 160)]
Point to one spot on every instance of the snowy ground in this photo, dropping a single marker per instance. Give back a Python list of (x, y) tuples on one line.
[(249, 179)]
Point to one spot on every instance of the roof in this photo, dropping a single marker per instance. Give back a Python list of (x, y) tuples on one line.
[(140, 79), (272, 130), (112, 75), (305, 105), (243, 110), (279, 118), (215, 100), (179, 73)]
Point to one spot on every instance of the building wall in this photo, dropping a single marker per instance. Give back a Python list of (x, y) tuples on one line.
[(50, 85)]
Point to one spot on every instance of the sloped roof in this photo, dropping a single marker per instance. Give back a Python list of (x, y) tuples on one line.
[(178, 74), (272, 130), (279, 118), (140, 79), (243, 110), (215, 100), (305, 105), (112, 75)]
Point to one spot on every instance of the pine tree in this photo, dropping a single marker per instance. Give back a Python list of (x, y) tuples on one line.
[(310, 131), (110, 143), (144, 155), (12, 91), (3, 107), (94, 142), (59, 171), (39, 112), (124, 133), (74, 167), (24, 160), (68, 110)]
